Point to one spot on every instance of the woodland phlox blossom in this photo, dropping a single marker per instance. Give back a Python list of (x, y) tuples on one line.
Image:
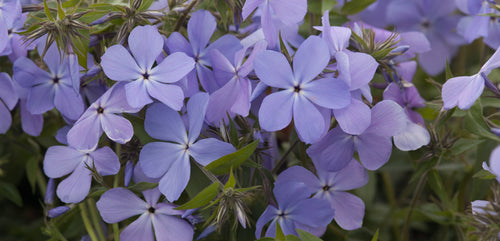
[(295, 210), (463, 91), (62, 160), (144, 81), (480, 21), (157, 219), (304, 97), (200, 28), (9, 97), (333, 186), (169, 159), (10, 11)]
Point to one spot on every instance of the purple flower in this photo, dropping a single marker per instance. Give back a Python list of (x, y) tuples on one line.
[(31, 124), (436, 20), (479, 23), (170, 160), (16, 46), (10, 11), (9, 97), (295, 210), (494, 167), (463, 91), (332, 186), (62, 160), (119, 204), (374, 145), (200, 28), (234, 96), (304, 98), (276, 15), (47, 90), (143, 80), (101, 116)]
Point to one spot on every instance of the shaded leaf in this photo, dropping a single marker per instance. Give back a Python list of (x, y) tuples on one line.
[(10, 192), (203, 198), (356, 6), (224, 164)]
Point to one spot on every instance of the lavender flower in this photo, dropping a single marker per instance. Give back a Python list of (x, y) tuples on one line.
[(463, 91), (9, 97), (304, 98), (332, 187), (480, 22), (119, 204), (295, 210), (143, 80), (62, 160), (170, 160)]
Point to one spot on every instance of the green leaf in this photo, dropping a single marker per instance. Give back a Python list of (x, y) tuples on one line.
[(60, 12), (69, 3), (233, 132), (375, 236), (314, 6), (305, 236), (224, 164), (145, 5), (10, 192), (448, 74), (356, 6), (462, 145), (327, 5), (437, 186), (475, 123), (47, 11), (280, 236), (483, 174), (266, 239), (142, 186), (82, 47), (203, 198), (231, 182), (291, 237), (31, 172)]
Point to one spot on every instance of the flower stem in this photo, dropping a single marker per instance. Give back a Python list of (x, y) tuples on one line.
[(86, 222), (116, 231), (95, 219), (283, 159)]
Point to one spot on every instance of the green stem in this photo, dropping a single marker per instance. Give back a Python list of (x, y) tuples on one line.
[(283, 159), (210, 175), (116, 231), (391, 197), (416, 194), (95, 219), (86, 222), (116, 179), (182, 18)]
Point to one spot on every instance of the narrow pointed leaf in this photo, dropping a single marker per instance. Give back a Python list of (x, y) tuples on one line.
[(202, 198), (305, 236), (354, 7), (10, 192), (231, 182), (224, 164), (142, 186)]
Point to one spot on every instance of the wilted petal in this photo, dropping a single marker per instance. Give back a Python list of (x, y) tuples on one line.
[(145, 44), (276, 110), (176, 179), (75, 188), (163, 123), (207, 150), (374, 151), (118, 64), (118, 204), (157, 157)]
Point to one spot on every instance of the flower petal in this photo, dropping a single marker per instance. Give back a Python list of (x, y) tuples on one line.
[(85, 134), (173, 68), (374, 151), (105, 160), (310, 59), (300, 174), (200, 28), (273, 69), (351, 177), (61, 160), (308, 120), (118, 64), (165, 124), (276, 110), (388, 119), (41, 98), (355, 118), (140, 229), (349, 210), (117, 128), (145, 44), (413, 137), (329, 93), (68, 102), (75, 188), (171, 228), (137, 93), (118, 204), (196, 109), (28, 74), (170, 95), (207, 150), (173, 183), (157, 157)]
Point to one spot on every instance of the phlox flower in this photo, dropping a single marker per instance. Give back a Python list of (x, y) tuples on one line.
[(103, 116), (305, 98), (463, 91), (10, 11), (157, 219), (62, 160), (143, 81), (47, 90), (374, 145), (333, 187), (478, 23), (169, 159), (295, 210), (200, 28), (9, 97)]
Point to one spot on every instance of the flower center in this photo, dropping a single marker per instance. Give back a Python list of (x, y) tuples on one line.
[(326, 188), (151, 210), (56, 79), (100, 110), (145, 75), (296, 88)]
